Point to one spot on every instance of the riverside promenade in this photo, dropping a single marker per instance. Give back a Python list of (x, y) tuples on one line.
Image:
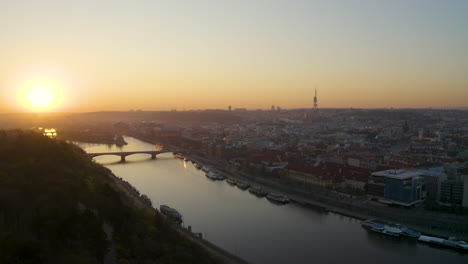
[(429, 223), (438, 224)]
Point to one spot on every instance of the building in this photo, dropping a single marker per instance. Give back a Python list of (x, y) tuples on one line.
[(376, 187), (355, 178), (230, 108), (398, 187), (310, 175), (465, 191), (429, 137), (432, 184), (451, 193)]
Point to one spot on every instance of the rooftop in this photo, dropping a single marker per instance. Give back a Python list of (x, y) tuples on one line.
[(398, 174)]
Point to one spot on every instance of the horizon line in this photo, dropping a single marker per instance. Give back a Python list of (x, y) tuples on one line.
[(237, 110)]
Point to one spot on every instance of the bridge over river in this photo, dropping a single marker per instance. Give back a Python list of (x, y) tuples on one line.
[(124, 154)]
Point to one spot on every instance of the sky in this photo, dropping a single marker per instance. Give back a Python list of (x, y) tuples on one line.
[(205, 54)]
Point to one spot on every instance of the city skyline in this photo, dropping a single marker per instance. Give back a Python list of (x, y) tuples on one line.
[(163, 55)]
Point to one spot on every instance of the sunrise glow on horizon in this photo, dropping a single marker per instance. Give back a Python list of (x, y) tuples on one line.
[(162, 55), (40, 97)]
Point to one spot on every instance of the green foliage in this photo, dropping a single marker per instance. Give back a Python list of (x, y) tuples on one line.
[(54, 203), (14, 251)]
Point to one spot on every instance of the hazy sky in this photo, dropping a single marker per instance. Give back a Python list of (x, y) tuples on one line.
[(158, 55)]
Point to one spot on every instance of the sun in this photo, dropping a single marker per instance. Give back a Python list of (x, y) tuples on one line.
[(40, 97)]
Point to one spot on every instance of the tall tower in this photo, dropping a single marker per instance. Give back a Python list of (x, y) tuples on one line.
[(315, 99)]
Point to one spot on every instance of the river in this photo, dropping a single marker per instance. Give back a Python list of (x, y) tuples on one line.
[(254, 228)]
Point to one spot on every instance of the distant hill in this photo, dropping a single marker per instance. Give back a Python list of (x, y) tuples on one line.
[(164, 116), (57, 206)]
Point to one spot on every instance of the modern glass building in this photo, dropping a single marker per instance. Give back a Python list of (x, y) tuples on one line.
[(400, 187)]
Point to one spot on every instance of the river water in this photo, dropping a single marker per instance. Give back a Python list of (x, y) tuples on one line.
[(254, 228)]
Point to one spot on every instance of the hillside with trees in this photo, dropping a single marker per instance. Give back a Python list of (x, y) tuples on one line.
[(57, 206)]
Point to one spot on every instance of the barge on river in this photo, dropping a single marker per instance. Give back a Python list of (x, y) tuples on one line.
[(258, 191), (278, 198), (451, 243)]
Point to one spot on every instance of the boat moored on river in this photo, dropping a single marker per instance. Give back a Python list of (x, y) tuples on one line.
[(410, 233), (210, 175), (451, 242), (386, 230), (258, 191), (278, 198), (369, 223), (231, 181), (243, 185), (214, 176), (389, 229)]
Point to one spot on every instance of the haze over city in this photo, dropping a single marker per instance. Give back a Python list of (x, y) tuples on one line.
[(233, 131), (80, 56)]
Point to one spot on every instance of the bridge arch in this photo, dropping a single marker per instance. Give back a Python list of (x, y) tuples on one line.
[(123, 155)]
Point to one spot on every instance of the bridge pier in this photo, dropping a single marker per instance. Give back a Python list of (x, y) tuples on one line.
[(123, 155)]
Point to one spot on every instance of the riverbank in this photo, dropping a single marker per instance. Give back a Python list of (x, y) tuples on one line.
[(430, 223), (426, 222), (141, 202)]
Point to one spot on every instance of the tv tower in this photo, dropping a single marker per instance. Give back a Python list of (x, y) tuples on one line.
[(315, 99)]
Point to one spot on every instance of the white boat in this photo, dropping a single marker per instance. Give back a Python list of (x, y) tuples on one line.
[(279, 198), (386, 230), (369, 223), (215, 176), (211, 175), (451, 242), (172, 213), (407, 232)]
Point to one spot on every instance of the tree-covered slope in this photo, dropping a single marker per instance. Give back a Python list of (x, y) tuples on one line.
[(55, 206)]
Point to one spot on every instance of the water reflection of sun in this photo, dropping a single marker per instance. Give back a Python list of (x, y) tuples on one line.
[(50, 132)]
